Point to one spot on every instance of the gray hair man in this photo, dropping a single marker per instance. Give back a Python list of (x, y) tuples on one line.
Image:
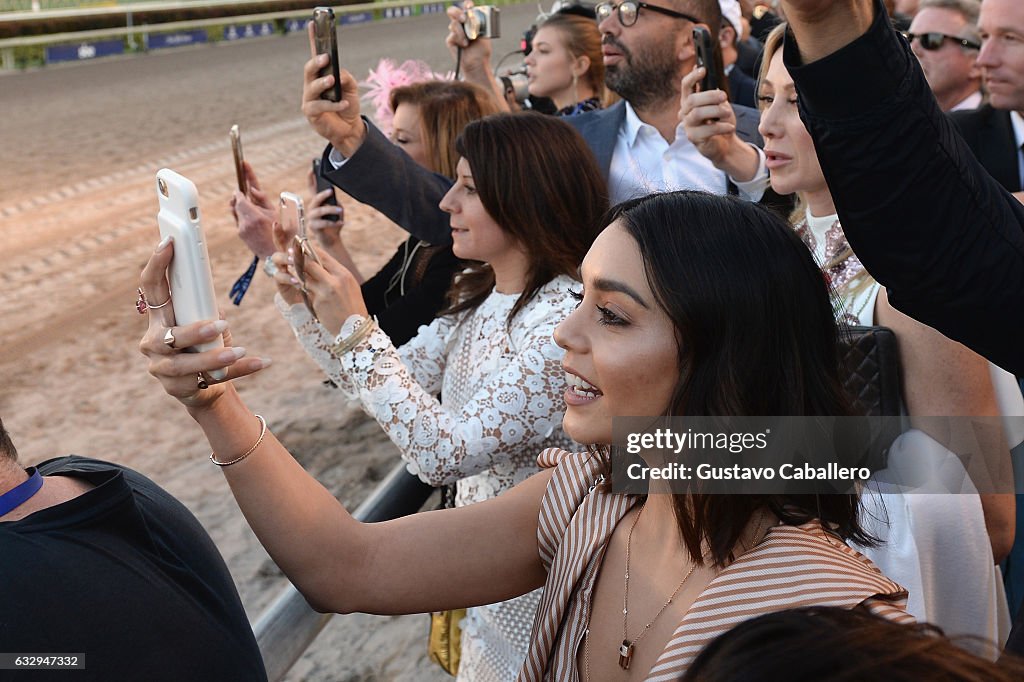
[(944, 37)]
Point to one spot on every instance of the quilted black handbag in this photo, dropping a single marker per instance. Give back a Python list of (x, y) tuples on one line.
[(871, 364)]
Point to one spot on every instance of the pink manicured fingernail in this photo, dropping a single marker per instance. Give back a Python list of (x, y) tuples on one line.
[(232, 354), (217, 327), (163, 243)]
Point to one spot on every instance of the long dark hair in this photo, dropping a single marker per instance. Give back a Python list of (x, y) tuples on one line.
[(539, 181), (832, 643), (756, 336)]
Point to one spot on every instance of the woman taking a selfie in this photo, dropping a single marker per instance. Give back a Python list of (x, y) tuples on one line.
[(942, 548), (670, 292)]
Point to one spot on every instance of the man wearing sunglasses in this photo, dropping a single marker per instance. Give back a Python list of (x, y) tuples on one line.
[(944, 37), (995, 133)]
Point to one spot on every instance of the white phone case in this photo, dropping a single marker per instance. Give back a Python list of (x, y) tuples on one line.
[(190, 276)]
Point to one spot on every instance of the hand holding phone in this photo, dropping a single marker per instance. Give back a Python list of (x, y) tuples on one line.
[(325, 38), (191, 280)]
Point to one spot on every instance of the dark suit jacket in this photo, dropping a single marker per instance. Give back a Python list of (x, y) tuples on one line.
[(748, 59), (741, 88), (381, 175), (989, 134)]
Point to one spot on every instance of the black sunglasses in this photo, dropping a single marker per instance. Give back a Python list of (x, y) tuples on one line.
[(630, 10), (934, 40)]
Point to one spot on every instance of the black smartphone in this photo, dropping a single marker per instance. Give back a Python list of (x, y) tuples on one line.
[(323, 183), (705, 46), (326, 39)]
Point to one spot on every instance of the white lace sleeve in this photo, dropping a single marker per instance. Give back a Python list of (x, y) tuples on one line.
[(515, 411), (426, 349)]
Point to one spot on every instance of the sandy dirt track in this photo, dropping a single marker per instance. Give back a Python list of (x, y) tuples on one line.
[(77, 222)]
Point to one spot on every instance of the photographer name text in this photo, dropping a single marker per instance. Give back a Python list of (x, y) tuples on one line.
[(735, 472)]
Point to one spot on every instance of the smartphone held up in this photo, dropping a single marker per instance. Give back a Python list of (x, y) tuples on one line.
[(323, 184), (705, 46), (189, 274), (236, 150), (325, 39)]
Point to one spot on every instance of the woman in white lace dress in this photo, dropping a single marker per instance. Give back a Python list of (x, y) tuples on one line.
[(526, 206), (942, 548)]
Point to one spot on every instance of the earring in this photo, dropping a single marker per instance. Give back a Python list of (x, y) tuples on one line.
[(575, 93)]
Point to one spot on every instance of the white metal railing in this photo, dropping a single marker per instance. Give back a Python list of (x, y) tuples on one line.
[(128, 10), (130, 29)]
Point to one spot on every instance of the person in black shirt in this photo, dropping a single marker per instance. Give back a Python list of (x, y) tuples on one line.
[(100, 562)]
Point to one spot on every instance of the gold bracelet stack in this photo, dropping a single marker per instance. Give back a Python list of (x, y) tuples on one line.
[(352, 340), (236, 460)]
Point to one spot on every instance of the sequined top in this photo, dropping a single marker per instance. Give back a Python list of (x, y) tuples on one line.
[(856, 289)]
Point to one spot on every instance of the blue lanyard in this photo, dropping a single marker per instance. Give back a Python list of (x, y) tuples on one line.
[(21, 493)]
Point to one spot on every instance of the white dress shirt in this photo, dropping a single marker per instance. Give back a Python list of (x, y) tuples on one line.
[(972, 101), (643, 162)]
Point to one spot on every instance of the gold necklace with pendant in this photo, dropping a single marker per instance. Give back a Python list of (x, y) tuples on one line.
[(628, 645)]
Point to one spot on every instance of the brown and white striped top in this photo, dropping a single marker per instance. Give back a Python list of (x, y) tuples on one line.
[(792, 567)]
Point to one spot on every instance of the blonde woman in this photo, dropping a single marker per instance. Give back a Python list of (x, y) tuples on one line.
[(941, 548)]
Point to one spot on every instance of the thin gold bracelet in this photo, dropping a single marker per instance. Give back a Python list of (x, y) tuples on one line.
[(236, 460)]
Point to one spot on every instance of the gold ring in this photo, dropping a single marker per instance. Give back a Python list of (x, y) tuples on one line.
[(154, 307)]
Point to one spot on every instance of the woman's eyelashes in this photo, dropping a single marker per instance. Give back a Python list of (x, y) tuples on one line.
[(576, 296), (607, 316)]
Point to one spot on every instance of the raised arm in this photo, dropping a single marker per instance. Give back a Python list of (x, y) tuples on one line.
[(339, 564), (922, 214), (381, 175), (360, 160), (822, 27)]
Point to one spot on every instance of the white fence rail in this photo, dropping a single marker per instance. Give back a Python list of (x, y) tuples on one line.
[(131, 30)]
